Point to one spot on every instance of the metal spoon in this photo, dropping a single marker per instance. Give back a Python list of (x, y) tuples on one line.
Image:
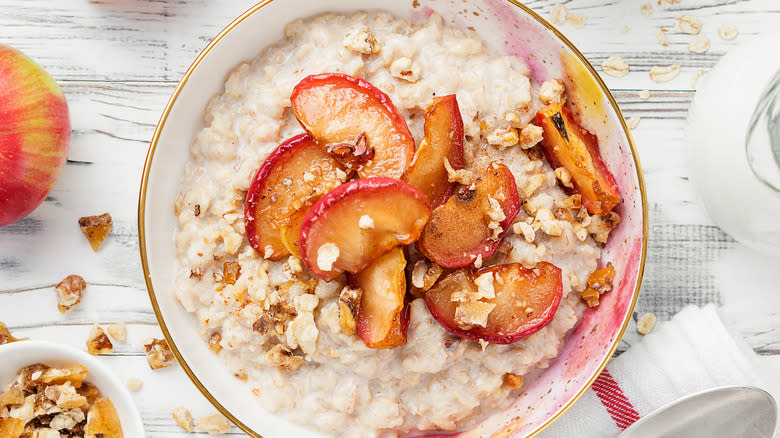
[(733, 412)]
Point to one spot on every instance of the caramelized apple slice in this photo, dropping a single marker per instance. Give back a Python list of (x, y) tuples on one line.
[(383, 316), (568, 145), (290, 230), (292, 175), (342, 112), (443, 139), (357, 222), (499, 304), (472, 221)]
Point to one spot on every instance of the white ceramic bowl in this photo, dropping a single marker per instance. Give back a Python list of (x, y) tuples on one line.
[(17, 355), (505, 25)]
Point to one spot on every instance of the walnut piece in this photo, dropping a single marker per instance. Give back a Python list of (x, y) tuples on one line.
[(158, 353), (69, 292), (96, 228), (11, 427), (5, 335), (646, 323), (361, 40), (601, 226), (551, 91), (283, 358), (599, 282), (214, 342), (183, 418), (65, 396), (274, 319), (406, 69), (102, 418), (231, 271), (214, 424), (349, 303), (98, 342), (513, 381)]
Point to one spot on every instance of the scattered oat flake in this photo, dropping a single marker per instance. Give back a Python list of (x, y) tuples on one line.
[(615, 66), (134, 384), (576, 20), (699, 44), (183, 418), (664, 73), (647, 9), (662, 38), (644, 94), (695, 79), (558, 13), (96, 228), (727, 31), (214, 424), (633, 122), (688, 24), (624, 30), (646, 323)]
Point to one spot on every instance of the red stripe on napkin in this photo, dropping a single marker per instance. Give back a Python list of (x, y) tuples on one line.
[(620, 409)]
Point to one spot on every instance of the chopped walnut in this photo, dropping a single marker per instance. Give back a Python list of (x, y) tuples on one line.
[(406, 69), (98, 342), (215, 342), (551, 91), (327, 255), (5, 335), (158, 353), (274, 319), (231, 271), (460, 176), (563, 176), (503, 137), (533, 184), (96, 228), (65, 396), (11, 427), (361, 40), (66, 420), (102, 418), (546, 222), (183, 418), (118, 331), (601, 226), (281, 357), (530, 136), (69, 292), (573, 201), (473, 314), (349, 304), (646, 323), (134, 384), (599, 282), (615, 66), (513, 381), (526, 230)]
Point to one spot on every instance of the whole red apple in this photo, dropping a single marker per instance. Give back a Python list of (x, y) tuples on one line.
[(34, 134)]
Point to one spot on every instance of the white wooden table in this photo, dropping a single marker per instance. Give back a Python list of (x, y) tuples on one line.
[(119, 60)]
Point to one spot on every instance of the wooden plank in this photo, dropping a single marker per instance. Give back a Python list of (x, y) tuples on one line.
[(157, 40)]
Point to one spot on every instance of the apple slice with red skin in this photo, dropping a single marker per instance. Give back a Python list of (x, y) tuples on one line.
[(398, 214), (517, 290), (459, 231), (443, 138), (278, 189), (290, 230), (383, 317), (566, 144), (338, 109)]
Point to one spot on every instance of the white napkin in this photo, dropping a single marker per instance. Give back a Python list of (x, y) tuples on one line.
[(691, 352)]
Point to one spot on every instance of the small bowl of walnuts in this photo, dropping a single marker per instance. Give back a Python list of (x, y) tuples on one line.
[(50, 390)]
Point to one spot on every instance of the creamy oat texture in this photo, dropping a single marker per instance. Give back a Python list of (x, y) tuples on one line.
[(276, 313)]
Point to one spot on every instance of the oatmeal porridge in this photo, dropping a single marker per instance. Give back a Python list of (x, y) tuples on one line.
[(429, 320)]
